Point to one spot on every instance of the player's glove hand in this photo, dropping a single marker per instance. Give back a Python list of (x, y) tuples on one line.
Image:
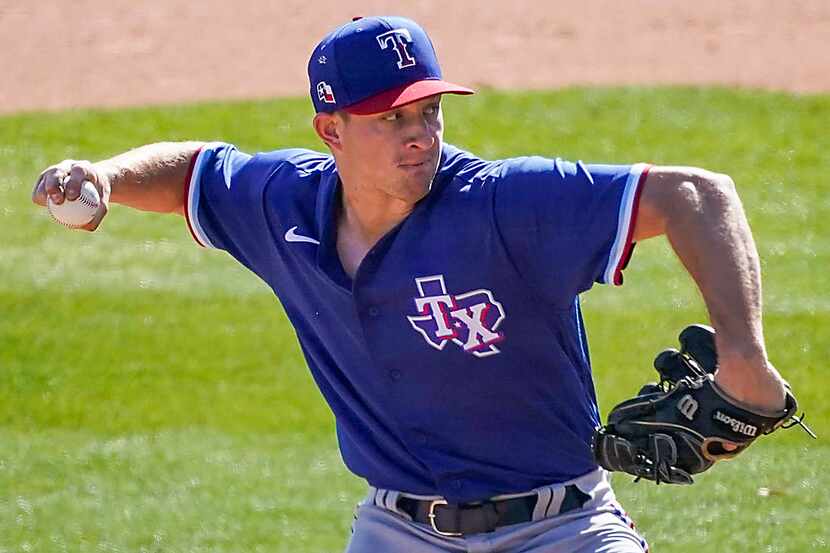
[(684, 424)]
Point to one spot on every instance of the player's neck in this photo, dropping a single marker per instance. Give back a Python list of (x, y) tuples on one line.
[(370, 214), (362, 220)]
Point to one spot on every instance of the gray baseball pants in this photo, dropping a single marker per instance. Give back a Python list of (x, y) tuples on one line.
[(600, 526)]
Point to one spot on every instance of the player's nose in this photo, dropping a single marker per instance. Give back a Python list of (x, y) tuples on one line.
[(421, 135), (421, 132)]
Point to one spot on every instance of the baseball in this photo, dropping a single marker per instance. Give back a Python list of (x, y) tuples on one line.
[(79, 212)]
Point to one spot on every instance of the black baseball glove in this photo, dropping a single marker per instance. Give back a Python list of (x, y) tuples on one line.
[(685, 423)]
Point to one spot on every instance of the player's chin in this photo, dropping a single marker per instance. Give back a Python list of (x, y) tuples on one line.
[(416, 183)]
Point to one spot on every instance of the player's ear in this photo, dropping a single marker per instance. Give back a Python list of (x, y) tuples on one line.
[(329, 127)]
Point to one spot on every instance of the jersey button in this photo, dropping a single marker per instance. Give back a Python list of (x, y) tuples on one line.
[(373, 311), (395, 374), (457, 484)]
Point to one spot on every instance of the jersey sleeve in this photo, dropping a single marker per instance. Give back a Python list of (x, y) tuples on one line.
[(219, 198), (572, 223)]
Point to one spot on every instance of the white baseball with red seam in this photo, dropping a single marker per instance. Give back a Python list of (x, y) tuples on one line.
[(78, 212)]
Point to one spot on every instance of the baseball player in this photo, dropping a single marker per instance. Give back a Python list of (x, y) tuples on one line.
[(435, 295)]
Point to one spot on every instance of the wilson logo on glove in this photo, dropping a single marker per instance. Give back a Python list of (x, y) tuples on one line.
[(737, 426)]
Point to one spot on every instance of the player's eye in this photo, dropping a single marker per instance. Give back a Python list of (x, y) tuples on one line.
[(392, 116), (432, 109)]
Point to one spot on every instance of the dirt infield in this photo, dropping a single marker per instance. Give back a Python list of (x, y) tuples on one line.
[(97, 53)]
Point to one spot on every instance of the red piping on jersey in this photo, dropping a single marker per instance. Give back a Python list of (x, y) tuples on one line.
[(187, 196), (629, 245)]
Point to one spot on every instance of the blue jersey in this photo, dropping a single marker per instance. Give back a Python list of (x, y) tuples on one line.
[(455, 361)]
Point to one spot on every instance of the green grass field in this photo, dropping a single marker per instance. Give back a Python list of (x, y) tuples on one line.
[(152, 397)]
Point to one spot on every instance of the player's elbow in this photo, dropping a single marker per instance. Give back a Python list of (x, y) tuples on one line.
[(718, 197), (672, 196), (716, 187), (697, 192)]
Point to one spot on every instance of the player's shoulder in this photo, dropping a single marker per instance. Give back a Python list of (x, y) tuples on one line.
[(469, 168), (292, 163), (283, 165), (300, 160)]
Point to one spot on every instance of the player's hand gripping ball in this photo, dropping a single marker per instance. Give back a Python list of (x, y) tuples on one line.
[(78, 212), (686, 423)]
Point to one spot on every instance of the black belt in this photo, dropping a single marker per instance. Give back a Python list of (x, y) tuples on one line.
[(482, 516)]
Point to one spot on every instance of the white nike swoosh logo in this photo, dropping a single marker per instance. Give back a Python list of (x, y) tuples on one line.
[(291, 236)]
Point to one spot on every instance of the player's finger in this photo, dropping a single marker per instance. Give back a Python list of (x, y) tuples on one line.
[(38, 191), (96, 221), (52, 182), (79, 172)]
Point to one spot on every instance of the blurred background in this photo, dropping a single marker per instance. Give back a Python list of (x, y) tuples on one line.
[(152, 395), (95, 53)]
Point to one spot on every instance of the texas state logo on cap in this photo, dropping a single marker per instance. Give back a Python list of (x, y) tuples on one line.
[(375, 64)]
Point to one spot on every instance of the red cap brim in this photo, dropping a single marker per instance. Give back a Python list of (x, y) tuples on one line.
[(403, 95)]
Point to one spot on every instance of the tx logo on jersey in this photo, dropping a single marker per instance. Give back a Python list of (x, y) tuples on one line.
[(397, 39), (469, 320), (325, 93)]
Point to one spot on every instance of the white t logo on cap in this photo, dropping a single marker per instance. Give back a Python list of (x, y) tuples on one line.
[(398, 38)]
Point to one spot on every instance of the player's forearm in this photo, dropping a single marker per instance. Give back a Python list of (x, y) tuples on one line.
[(710, 234), (705, 223), (152, 177)]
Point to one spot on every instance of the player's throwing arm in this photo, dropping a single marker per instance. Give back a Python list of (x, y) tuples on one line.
[(151, 178)]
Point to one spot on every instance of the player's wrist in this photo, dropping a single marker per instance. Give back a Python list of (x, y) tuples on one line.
[(106, 174), (758, 387)]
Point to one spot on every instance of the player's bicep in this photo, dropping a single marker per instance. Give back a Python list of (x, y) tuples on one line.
[(666, 193)]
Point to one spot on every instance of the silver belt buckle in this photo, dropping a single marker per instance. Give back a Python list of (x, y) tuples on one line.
[(432, 517)]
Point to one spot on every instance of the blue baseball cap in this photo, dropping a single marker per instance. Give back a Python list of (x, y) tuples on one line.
[(374, 64)]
